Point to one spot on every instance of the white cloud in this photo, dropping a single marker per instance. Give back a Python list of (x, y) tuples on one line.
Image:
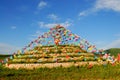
[(45, 25), (13, 27), (50, 25), (117, 35), (114, 44), (86, 12), (100, 44), (113, 5), (83, 13), (38, 33), (66, 24), (42, 4), (107, 45), (7, 49), (53, 17), (108, 4)]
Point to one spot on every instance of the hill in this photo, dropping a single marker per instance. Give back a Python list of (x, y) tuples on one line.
[(3, 56), (113, 51)]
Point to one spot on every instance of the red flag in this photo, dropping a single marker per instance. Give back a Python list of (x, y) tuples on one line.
[(118, 58)]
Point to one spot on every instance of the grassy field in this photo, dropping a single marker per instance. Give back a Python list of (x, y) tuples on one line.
[(104, 72)]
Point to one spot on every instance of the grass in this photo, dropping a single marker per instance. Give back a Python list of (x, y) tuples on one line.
[(103, 72), (107, 72)]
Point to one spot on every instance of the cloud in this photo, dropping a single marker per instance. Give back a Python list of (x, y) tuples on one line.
[(53, 17), (83, 13), (41, 24), (107, 45), (99, 5), (117, 35), (37, 33), (100, 44), (86, 12), (114, 44), (50, 25), (46, 25), (108, 4), (13, 27), (42, 4), (7, 49)]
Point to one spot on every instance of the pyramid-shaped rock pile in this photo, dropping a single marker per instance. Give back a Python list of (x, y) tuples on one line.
[(58, 45)]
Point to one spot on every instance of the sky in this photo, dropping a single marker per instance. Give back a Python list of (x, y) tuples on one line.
[(21, 21)]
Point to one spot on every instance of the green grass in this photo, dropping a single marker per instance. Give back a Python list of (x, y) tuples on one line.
[(103, 72), (107, 72)]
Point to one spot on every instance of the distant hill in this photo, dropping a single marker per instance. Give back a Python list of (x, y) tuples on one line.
[(113, 51), (3, 56)]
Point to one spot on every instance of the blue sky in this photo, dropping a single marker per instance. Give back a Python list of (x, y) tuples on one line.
[(97, 21)]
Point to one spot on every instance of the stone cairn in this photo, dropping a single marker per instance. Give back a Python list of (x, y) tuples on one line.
[(57, 47)]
